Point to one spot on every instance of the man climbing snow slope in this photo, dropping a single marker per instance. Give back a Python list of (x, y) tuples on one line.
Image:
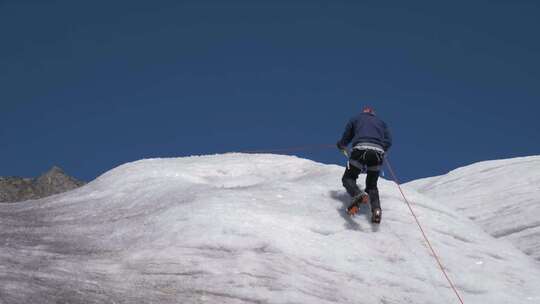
[(370, 138)]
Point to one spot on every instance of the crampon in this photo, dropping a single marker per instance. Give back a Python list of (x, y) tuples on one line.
[(357, 200)]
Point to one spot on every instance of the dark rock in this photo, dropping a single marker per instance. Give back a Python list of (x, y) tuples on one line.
[(54, 181)]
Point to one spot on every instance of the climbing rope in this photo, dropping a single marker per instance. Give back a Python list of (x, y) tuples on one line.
[(394, 177), (293, 149), (435, 255)]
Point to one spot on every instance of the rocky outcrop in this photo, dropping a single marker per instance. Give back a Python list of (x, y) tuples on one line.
[(54, 181)]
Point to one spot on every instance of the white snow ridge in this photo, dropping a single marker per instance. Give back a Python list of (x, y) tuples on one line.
[(241, 228), (503, 196)]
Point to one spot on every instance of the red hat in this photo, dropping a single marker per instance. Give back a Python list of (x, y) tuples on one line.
[(368, 109)]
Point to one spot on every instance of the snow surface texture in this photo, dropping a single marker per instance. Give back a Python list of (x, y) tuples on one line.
[(503, 196), (239, 228)]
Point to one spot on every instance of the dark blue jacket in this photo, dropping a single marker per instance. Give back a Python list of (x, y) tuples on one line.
[(366, 128)]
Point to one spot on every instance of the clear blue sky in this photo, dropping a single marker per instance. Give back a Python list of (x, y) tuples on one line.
[(89, 85)]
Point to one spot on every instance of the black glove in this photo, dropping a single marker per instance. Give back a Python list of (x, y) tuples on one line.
[(340, 147)]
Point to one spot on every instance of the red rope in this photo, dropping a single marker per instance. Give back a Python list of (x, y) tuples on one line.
[(423, 233), (326, 146), (292, 149), (317, 147)]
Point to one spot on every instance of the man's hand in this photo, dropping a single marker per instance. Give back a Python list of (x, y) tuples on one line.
[(340, 147), (343, 149)]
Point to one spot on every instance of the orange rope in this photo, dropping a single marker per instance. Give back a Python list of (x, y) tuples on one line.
[(291, 149), (423, 233), (317, 147)]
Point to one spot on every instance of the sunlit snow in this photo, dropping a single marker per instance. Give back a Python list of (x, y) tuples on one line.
[(242, 228), (502, 196)]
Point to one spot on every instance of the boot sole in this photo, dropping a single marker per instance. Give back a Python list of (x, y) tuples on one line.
[(376, 219)]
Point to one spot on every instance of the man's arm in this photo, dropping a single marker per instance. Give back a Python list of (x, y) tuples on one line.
[(387, 138), (347, 136)]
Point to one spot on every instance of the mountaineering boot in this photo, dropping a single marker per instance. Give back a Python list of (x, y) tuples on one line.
[(376, 215), (362, 198)]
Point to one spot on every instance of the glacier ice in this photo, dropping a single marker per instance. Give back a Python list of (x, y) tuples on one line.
[(246, 228), (503, 196)]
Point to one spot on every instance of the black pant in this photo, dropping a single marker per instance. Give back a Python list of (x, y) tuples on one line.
[(364, 158)]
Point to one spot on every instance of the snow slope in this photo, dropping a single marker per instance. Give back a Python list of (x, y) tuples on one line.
[(503, 196), (239, 228)]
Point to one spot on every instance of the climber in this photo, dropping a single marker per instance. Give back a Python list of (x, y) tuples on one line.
[(371, 139)]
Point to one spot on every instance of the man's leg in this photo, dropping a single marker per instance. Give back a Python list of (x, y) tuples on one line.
[(349, 180), (358, 196), (372, 190), (374, 161)]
